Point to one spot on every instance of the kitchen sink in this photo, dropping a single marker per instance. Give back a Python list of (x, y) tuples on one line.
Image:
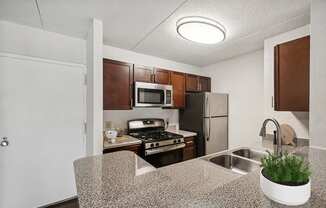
[(234, 163), (250, 154)]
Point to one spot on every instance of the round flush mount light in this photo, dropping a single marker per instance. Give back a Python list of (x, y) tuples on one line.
[(200, 30)]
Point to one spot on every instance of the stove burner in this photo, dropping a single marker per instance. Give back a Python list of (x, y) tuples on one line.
[(149, 136)]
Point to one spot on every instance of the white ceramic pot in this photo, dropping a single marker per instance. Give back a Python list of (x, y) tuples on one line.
[(288, 195)]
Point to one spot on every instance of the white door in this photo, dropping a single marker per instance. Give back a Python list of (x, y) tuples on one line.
[(218, 134), (42, 110)]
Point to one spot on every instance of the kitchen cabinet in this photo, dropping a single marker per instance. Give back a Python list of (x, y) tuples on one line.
[(162, 76), (192, 83), (143, 73), (189, 152), (204, 84), (178, 81), (136, 148), (291, 75), (117, 85), (195, 83)]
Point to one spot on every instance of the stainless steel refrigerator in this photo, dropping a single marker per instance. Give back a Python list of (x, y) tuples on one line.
[(207, 115)]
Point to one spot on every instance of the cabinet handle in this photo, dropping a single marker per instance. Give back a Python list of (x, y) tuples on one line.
[(190, 142)]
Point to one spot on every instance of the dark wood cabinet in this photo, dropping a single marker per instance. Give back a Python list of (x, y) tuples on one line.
[(143, 73), (117, 85), (204, 84), (178, 81), (189, 152), (291, 75), (192, 83), (119, 77), (162, 76), (136, 148)]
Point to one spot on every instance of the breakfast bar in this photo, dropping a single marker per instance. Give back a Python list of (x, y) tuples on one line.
[(123, 179)]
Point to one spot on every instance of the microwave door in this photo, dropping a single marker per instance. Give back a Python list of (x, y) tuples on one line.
[(148, 96)]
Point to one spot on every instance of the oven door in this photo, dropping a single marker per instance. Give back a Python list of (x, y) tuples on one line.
[(163, 156), (148, 95)]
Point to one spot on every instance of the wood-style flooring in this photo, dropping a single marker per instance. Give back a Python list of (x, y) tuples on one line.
[(72, 203)]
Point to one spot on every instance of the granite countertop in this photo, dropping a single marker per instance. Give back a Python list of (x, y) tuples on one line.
[(111, 180), (182, 132), (125, 140)]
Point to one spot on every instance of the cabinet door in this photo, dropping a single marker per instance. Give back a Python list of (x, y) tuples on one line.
[(136, 148), (178, 81), (189, 152), (291, 78), (117, 85), (162, 76), (192, 83), (204, 84), (143, 73)]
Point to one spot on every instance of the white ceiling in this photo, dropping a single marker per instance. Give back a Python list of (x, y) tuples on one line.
[(148, 26)]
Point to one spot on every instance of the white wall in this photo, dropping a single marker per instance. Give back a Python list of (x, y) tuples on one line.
[(298, 120), (242, 79), (120, 117), (28, 41), (94, 41), (142, 59), (318, 73)]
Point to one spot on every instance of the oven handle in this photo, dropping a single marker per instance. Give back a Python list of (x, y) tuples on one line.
[(164, 149)]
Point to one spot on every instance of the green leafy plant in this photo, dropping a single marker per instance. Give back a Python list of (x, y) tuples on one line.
[(287, 169)]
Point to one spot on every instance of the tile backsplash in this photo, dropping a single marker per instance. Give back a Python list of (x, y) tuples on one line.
[(119, 118)]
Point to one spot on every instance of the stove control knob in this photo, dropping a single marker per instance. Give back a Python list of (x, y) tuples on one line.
[(157, 144), (174, 141), (179, 140), (152, 145)]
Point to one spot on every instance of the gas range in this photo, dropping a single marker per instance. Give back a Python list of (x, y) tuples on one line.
[(159, 147), (157, 138)]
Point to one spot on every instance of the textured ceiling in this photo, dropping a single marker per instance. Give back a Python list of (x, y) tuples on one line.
[(148, 26)]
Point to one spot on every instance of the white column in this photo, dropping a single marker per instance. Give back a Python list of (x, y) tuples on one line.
[(318, 74), (94, 141)]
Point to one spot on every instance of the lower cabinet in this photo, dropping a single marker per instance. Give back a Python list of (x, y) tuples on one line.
[(189, 152), (136, 148)]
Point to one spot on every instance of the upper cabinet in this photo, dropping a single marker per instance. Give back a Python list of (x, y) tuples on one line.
[(204, 84), (195, 83), (162, 76), (192, 83), (178, 81), (119, 78), (143, 73), (291, 87), (117, 85)]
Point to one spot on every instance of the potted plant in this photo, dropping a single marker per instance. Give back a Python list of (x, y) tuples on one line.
[(285, 179)]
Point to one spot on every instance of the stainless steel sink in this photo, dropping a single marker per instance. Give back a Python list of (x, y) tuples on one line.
[(236, 164), (250, 154)]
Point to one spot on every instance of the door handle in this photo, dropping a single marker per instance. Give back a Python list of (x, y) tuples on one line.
[(4, 142)]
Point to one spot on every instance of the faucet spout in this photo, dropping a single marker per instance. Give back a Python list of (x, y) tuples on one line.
[(278, 134)]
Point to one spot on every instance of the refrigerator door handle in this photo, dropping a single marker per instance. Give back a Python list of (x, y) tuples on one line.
[(209, 128), (209, 120)]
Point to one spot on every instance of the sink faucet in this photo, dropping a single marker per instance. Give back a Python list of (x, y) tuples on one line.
[(278, 134)]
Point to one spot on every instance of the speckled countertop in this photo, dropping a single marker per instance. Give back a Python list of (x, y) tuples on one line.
[(125, 140), (182, 132), (115, 180)]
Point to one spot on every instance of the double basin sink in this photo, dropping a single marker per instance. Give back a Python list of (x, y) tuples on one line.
[(241, 161)]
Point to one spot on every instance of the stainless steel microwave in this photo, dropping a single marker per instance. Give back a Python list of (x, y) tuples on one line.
[(153, 95)]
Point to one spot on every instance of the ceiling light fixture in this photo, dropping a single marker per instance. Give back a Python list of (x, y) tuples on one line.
[(200, 30)]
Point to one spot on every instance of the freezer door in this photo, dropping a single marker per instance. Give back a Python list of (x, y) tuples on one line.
[(216, 104), (217, 134)]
